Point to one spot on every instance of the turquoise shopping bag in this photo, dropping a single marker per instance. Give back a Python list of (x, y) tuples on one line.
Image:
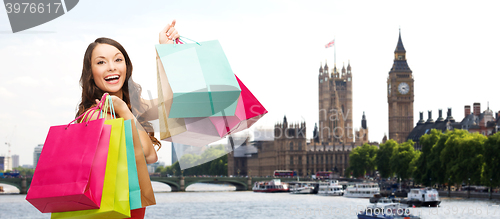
[(133, 180), (199, 80)]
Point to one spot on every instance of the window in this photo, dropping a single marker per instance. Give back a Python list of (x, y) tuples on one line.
[(300, 146), (300, 160), (291, 146), (291, 160)]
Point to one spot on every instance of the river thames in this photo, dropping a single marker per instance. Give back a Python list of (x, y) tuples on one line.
[(218, 201)]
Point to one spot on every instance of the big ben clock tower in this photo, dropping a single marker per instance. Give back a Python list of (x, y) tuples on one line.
[(400, 95)]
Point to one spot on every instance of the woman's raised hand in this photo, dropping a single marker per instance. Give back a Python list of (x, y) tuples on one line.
[(169, 34)]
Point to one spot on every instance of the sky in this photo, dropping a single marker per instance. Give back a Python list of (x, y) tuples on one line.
[(274, 46)]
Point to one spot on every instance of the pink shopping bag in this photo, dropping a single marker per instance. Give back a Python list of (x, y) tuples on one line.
[(248, 111), (70, 172)]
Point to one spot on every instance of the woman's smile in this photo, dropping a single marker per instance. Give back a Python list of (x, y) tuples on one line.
[(109, 69)]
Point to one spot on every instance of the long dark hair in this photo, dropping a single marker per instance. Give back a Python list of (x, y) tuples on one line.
[(130, 89)]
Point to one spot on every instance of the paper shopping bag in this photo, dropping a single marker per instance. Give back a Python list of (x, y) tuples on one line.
[(133, 180), (248, 111), (70, 172), (115, 195), (200, 80), (196, 131), (147, 194)]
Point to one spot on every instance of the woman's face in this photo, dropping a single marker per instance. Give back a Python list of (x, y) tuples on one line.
[(108, 69)]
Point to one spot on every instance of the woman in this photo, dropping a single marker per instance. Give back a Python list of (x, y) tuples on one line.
[(107, 69)]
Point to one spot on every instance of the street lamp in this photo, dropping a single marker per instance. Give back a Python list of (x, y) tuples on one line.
[(238, 172), (491, 187), (449, 186), (468, 190)]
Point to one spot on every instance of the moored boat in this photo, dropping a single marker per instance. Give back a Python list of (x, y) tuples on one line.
[(361, 190), (331, 187), (303, 187), (423, 197), (274, 185)]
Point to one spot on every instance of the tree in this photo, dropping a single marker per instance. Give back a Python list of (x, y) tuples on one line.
[(400, 161), (383, 158), (462, 156), (491, 161), (25, 171), (362, 159), (422, 172)]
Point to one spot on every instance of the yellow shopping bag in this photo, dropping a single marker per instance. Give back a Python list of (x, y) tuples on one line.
[(115, 195)]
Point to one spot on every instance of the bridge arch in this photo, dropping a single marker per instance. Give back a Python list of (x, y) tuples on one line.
[(240, 186), (174, 186), (18, 186)]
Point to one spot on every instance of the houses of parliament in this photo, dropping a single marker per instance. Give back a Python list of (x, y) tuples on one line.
[(334, 136)]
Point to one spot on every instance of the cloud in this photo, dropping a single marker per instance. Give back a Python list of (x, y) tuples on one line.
[(32, 114), (25, 81), (6, 93), (63, 102)]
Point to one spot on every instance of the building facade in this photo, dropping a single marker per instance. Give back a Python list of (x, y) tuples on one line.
[(36, 154), (15, 161), (486, 123), (335, 104), (400, 95)]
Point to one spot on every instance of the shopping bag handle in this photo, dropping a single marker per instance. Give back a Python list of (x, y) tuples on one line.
[(181, 41), (84, 115), (108, 104)]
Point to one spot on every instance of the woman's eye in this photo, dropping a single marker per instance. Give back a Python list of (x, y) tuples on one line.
[(100, 62), (119, 60)]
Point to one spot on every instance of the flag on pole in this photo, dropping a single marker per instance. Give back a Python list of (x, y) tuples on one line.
[(330, 44)]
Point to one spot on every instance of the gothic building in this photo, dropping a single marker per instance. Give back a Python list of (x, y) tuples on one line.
[(400, 95), (335, 105)]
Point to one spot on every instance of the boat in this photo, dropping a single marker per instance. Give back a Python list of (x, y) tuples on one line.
[(305, 187), (386, 209), (377, 197), (274, 185), (361, 190), (331, 187), (427, 197)]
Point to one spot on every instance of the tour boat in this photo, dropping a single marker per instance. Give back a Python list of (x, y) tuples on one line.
[(423, 197), (303, 187), (331, 187), (274, 185), (361, 190)]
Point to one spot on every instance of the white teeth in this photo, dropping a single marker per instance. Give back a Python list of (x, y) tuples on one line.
[(112, 77)]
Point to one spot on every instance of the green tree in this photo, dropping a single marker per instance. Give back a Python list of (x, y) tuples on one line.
[(25, 171), (463, 156), (492, 161), (434, 162), (422, 172), (383, 158), (402, 157), (362, 159)]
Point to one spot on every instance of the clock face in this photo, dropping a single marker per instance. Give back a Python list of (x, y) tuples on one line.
[(389, 88), (403, 88)]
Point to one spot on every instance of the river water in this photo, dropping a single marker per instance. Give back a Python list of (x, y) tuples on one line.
[(223, 202)]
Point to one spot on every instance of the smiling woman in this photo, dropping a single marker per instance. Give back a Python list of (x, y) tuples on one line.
[(107, 68)]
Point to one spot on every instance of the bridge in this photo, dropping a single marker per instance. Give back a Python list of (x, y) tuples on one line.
[(177, 184), (23, 184)]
